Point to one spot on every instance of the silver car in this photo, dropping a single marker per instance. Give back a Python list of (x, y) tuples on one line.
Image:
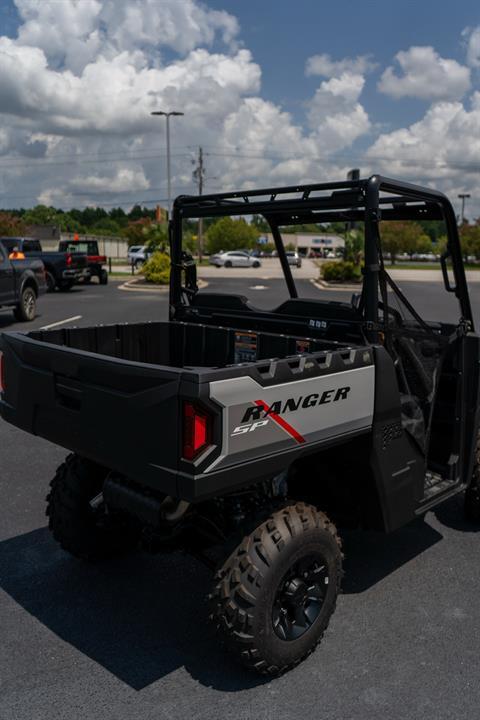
[(234, 258), (294, 259), (138, 255)]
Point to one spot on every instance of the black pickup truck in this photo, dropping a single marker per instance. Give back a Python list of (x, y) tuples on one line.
[(21, 282), (95, 260), (63, 269)]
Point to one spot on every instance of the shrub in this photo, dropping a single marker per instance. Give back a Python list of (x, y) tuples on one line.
[(157, 269), (340, 271)]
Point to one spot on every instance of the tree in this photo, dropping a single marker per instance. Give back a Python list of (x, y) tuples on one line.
[(470, 240), (399, 236), (10, 225), (135, 231), (106, 226), (119, 216), (230, 234), (91, 215), (424, 245), (261, 224), (354, 243), (41, 215)]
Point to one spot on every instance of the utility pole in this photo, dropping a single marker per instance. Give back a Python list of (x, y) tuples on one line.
[(198, 176), (463, 197)]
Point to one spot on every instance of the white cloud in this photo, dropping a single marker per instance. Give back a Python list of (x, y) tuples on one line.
[(443, 146), (425, 75), (335, 114), (324, 65), (124, 179), (79, 82), (472, 37), (73, 33)]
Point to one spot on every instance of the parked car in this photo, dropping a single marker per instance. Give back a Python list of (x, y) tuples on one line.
[(21, 282), (234, 258), (138, 255), (294, 259), (132, 250), (95, 261), (63, 269)]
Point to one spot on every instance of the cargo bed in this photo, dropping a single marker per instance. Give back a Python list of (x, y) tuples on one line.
[(116, 394)]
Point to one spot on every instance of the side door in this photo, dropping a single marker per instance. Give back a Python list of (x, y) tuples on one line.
[(243, 260), (7, 278)]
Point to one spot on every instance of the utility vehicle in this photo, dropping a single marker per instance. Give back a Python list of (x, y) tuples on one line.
[(261, 429)]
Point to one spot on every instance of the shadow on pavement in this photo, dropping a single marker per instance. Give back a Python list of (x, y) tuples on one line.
[(372, 556), (142, 617)]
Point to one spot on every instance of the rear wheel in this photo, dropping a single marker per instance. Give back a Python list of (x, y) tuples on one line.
[(77, 516), (26, 308), (274, 596), (66, 285), (103, 277), (50, 280)]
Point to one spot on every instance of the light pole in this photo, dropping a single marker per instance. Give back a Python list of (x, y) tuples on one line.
[(168, 116), (463, 197)]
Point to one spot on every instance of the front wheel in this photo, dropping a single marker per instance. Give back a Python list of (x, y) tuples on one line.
[(472, 493), (227, 264), (27, 307), (274, 596), (103, 277), (256, 264), (76, 512), (66, 285)]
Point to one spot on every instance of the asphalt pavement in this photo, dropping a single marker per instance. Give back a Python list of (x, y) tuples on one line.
[(128, 639)]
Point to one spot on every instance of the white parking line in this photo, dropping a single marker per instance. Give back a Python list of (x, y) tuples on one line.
[(61, 322)]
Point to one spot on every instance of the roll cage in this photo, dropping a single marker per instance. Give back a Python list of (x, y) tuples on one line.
[(368, 200)]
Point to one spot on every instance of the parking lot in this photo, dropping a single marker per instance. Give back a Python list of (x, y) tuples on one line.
[(129, 638)]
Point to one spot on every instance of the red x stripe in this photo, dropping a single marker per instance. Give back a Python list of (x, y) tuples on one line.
[(280, 421)]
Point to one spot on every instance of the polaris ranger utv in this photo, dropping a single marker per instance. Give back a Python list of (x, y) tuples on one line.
[(260, 428)]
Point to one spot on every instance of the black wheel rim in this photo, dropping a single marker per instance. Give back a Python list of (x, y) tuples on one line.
[(300, 597)]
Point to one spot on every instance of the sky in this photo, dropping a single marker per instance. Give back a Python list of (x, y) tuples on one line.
[(276, 92)]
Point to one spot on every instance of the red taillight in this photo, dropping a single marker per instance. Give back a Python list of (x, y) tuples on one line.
[(69, 259), (196, 431), (2, 372)]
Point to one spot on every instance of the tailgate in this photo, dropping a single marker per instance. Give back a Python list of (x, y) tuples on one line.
[(121, 414), (78, 261)]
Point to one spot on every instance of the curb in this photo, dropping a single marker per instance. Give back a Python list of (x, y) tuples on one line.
[(135, 286), (323, 285)]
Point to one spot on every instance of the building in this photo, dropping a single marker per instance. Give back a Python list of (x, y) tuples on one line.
[(307, 243)]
